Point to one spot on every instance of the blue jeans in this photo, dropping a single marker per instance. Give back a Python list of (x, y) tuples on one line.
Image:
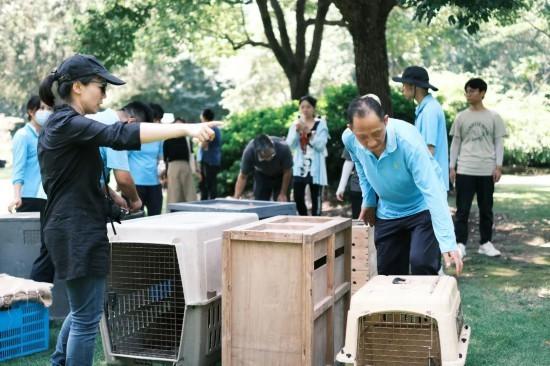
[(76, 340)]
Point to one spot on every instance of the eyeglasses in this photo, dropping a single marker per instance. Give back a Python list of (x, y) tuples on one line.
[(470, 91), (102, 85)]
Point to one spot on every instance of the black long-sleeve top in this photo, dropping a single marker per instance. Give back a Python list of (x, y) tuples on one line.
[(73, 225), (176, 149)]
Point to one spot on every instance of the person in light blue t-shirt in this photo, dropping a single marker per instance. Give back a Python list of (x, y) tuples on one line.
[(117, 160), (413, 222), (144, 167), (28, 194), (429, 116)]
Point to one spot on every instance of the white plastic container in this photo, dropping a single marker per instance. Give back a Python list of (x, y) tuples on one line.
[(197, 239), (406, 320), (163, 301)]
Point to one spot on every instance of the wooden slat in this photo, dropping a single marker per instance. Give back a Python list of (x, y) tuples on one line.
[(307, 303), (226, 298), (329, 350)]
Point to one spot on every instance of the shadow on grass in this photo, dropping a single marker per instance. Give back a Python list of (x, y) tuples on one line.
[(502, 296)]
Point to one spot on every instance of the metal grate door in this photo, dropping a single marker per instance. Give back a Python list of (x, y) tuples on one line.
[(398, 338), (145, 303)]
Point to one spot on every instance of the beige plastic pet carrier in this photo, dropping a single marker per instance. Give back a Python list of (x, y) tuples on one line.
[(406, 321), (163, 302)]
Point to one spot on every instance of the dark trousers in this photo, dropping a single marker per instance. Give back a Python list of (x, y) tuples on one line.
[(32, 205), (299, 184), (356, 199), (151, 197), (408, 241), (267, 188), (209, 182), (42, 268), (483, 187)]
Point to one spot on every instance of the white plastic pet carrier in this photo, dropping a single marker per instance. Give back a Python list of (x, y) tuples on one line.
[(406, 321), (163, 301)]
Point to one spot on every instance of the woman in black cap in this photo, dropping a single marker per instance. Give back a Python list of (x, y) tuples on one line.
[(74, 228)]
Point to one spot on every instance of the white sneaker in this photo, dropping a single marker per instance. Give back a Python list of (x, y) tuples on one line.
[(489, 250), (462, 250)]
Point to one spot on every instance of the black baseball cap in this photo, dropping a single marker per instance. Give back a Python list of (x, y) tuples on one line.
[(78, 66), (415, 75)]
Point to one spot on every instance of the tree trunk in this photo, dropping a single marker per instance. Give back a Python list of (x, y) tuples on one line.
[(366, 22), (297, 65), (299, 85)]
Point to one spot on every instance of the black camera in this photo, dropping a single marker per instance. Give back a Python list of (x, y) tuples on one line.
[(114, 212)]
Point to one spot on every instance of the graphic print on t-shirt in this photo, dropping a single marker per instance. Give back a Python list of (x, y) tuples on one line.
[(477, 131), (305, 169)]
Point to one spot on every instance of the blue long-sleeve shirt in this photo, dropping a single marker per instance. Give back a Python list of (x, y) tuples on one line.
[(430, 121), (26, 170), (406, 179)]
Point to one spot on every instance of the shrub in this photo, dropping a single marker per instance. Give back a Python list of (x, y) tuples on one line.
[(243, 127), (528, 144)]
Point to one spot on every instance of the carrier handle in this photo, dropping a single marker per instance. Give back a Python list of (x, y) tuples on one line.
[(398, 280)]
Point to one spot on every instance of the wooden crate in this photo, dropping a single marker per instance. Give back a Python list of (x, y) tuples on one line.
[(363, 255), (286, 291)]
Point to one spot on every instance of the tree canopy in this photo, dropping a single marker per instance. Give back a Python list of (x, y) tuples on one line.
[(169, 25)]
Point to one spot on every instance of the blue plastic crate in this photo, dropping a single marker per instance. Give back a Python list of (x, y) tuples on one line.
[(24, 329)]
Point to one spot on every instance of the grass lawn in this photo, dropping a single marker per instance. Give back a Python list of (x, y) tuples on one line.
[(506, 300)]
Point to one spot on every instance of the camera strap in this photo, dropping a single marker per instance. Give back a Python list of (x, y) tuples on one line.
[(107, 195)]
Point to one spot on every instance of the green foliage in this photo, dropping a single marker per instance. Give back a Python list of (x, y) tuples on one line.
[(512, 56), (114, 29), (35, 36), (528, 142), (186, 93), (243, 127), (469, 14)]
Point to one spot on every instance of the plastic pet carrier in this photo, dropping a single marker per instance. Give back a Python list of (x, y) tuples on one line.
[(163, 301), (19, 247), (264, 209), (406, 321)]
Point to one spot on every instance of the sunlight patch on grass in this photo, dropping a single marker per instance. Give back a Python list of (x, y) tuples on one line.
[(504, 272), (510, 226), (544, 261), (537, 241), (540, 260)]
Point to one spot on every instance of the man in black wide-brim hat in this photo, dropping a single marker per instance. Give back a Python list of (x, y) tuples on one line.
[(429, 116)]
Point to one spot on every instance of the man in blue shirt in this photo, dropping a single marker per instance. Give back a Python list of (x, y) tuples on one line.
[(413, 222), (430, 119), (210, 158)]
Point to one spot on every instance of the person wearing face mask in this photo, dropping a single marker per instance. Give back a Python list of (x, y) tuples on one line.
[(28, 194), (74, 221)]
